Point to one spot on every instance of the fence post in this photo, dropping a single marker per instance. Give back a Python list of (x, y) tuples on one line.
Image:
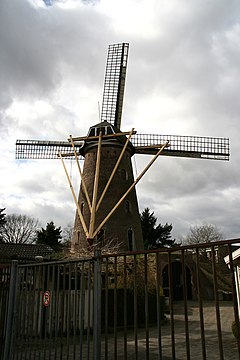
[(11, 309), (97, 306)]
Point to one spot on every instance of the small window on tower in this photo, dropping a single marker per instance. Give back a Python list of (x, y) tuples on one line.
[(100, 129), (130, 240), (127, 207), (123, 174), (100, 235), (82, 207)]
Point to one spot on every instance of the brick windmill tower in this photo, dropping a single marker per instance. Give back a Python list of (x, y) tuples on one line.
[(107, 207)]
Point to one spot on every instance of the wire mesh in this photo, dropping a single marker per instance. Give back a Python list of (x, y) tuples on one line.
[(35, 149), (114, 83), (183, 146)]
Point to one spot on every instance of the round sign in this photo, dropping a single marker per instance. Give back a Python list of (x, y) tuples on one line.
[(46, 298)]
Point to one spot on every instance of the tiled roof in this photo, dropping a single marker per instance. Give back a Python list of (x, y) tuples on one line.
[(24, 252)]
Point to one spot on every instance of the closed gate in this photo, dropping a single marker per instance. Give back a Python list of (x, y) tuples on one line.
[(123, 306)]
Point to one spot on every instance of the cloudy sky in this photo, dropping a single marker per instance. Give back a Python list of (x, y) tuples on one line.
[(183, 78)]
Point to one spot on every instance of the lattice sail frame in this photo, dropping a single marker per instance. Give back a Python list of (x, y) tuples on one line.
[(114, 84), (40, 149), (183, 146), (180, 146)]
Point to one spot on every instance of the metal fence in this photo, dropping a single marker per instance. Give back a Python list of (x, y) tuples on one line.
[(176, 303)]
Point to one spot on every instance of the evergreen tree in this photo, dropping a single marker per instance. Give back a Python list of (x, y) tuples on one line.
[(155, 236), (50, 236)]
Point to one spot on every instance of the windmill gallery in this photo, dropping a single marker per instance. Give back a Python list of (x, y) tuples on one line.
[(107, 207)]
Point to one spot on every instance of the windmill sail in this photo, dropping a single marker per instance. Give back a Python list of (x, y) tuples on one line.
[(183, 146), (42, 149), (114, 84)]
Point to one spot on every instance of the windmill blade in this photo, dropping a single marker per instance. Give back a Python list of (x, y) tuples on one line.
[(183, 146), (37, 149), (114, 83)]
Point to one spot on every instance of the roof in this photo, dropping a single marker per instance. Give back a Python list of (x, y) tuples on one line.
[(235, 256), (24, 252)]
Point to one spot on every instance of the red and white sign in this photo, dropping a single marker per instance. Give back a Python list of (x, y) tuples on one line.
[(46, 298)]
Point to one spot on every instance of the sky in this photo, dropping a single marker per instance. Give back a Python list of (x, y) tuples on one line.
[(183, 78)]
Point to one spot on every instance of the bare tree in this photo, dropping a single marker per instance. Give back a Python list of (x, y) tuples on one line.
[(19, 229), (67, 236), (202, 234)]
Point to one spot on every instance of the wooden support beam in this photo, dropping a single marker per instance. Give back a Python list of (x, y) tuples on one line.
[(81, 174), (115, 169), (70, 154), (108, 136), (95, 189), (74, 197), (129, 190), (156, 146)]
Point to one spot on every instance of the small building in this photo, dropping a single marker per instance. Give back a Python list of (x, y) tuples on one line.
[(24, 253)]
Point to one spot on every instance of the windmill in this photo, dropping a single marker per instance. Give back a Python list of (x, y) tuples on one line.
[(107, 207)]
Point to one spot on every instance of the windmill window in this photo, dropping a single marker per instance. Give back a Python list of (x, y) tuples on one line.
[(103, 129), (82, 207), (100, 235), (127, 207), (92, 132), (109, 130), (131, 244), (124, 174)]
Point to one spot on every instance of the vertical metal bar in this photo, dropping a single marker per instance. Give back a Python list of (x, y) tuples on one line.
[(146, 305), (97, 306), (33, 312), (135, 308), (75, 310), (185, 303), (234, 294), (215, 288), (4, 291), (20, 325), (11, 313), (44, 313), (63, 294), (49, 313), (31, 308), (57, 309), (125, 304), (68, 309), (26, 313), (51, 281), (159, 308), (89, 314), (170, 281), (82, 307), (200, 306), (38, 307), (106, 308), (115, 308)]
